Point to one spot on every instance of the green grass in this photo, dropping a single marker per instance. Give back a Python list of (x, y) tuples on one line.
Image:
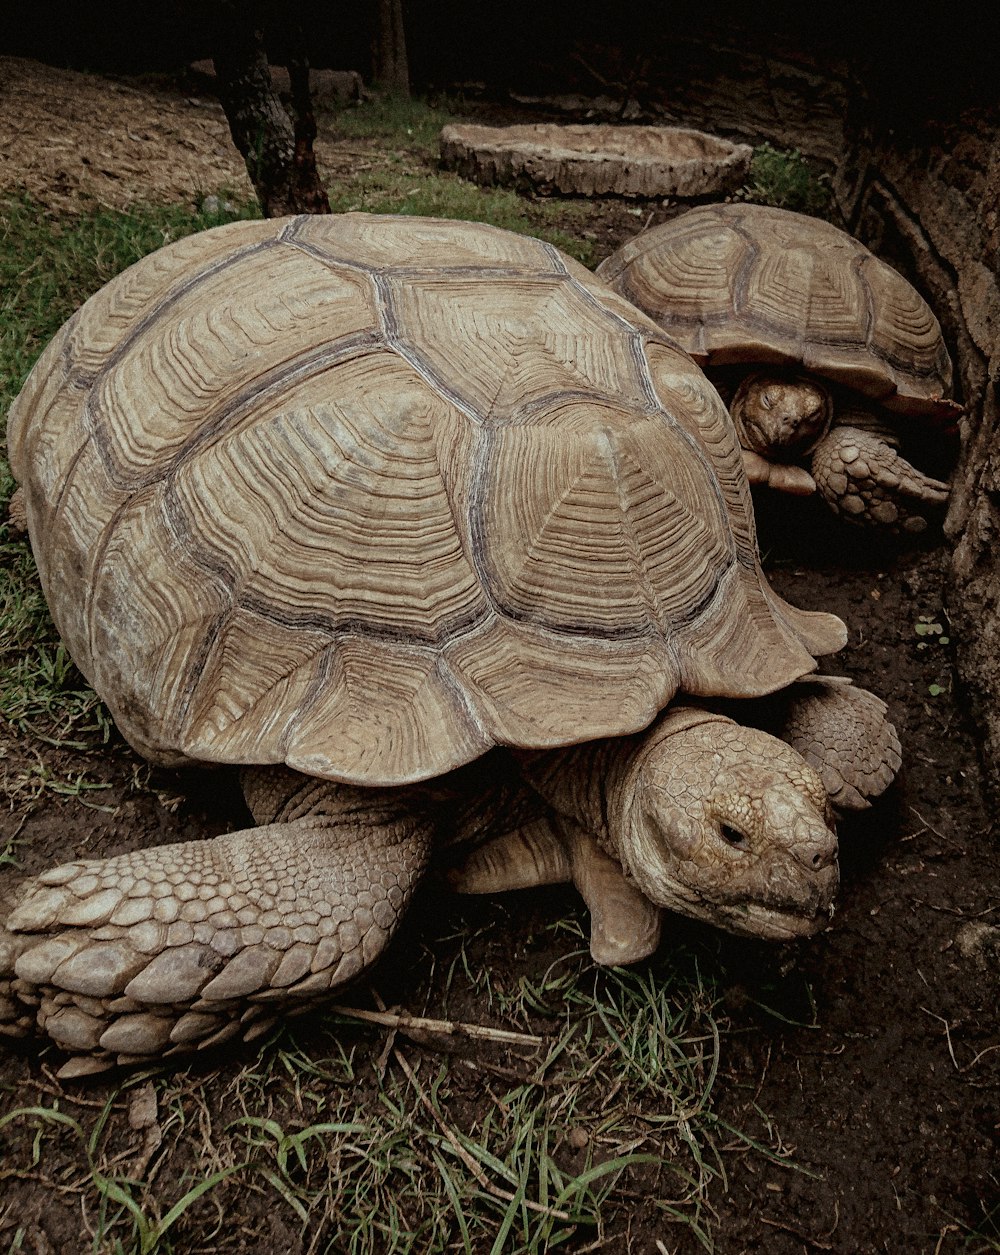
[(402, 177), (787, 180), (397, 121), (48, 267), (352, 1140)]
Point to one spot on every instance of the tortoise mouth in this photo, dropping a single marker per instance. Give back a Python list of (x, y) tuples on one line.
[(753, 919)]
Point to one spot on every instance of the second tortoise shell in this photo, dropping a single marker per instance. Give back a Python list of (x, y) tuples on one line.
[(745, 283)]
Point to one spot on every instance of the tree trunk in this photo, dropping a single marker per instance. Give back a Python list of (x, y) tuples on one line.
[(930, 202), (279, 155), (390, 68)]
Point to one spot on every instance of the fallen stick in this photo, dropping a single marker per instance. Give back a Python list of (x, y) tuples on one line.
[(450, 1028)]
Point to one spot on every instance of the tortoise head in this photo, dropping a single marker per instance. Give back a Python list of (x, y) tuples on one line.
[(729, 825), (781, 416)]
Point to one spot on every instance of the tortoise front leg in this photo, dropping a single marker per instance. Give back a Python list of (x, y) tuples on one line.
[(863, 478), (624, 924), (845, 733), (182, 946)]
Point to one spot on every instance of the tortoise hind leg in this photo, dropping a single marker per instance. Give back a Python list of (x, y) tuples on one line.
[(624, 924), (182, 946)]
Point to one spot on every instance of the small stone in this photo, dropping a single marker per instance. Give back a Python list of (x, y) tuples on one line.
[(83, 1066), (349, 935), (147, 937), (278, 938), (348, 967), (180, 933), (60, 875), (225, 943), (885, 512), (223, 919), (123, 1006), (327, 953), (92, 1006), (108, 932), (259, 1028), (318, 982), (40, 909), (383, 915)]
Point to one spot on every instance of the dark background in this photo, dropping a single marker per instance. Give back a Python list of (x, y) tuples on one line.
[(913, 64)]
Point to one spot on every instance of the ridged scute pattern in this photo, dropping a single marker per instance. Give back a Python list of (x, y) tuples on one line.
[(368, 495), (748, 283)]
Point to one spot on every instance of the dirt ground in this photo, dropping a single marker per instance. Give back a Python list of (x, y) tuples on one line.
[(870, 1056)]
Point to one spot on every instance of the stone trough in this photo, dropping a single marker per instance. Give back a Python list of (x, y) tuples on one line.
[(648, 161)]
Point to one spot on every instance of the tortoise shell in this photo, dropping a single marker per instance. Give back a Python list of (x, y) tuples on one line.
[(368, 495), (746, 283)]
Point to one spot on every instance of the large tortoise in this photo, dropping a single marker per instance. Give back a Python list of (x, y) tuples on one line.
[(835, 349), (348, 501)]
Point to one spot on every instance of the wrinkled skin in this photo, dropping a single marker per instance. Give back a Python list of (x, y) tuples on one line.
[(729, 824), (167, 950), (781, 416)]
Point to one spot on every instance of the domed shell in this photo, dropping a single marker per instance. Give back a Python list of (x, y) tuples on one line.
[(747, 283), (368, 495)]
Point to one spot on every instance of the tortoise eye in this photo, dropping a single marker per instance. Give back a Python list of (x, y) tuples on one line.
[(733, 837), (766, 400)]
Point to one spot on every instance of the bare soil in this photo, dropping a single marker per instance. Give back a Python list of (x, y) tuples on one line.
[(868, 1058)]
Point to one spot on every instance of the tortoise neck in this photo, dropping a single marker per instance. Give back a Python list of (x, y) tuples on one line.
[(594, 783)]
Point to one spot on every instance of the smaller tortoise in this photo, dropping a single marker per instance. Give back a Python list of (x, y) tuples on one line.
[(749, 286), (348, 501)]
